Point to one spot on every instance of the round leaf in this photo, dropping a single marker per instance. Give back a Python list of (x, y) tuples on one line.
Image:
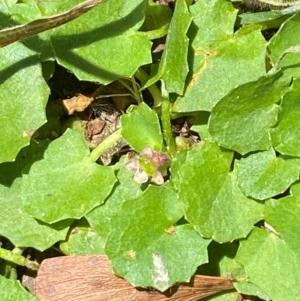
[(241, 121), (144, 243), (141, 128)]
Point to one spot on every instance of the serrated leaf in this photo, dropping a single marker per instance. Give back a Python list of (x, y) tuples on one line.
[(262, 175), (20, 228), (111, 28), (12, 290), (82, 240), (212, 200), (24, 96), (144, 243), (232, 214), (66, 184), (147, 133), (285, 136), (241, 121), (199, 180), (267, 257), (126, 189), (173, 66), (214, 48)]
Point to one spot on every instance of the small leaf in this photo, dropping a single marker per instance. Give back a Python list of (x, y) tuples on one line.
[(82, 240), (66, 184), (268, 19), (262, 175), (144, 243), (157, 16), (285, 136), (283, 40), (241, 121), (214, 48), (12, 290), (141, 128), (173, 66)]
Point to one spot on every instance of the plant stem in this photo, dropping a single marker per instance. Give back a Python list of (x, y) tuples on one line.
[(136, 90), (132, 91), (156, 33), (155, 92), (166, 120), (105, 144), (16, 258), (19, 32)]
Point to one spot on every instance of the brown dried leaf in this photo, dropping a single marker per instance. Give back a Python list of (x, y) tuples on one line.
[(77, 103), (90, 278), (94, 127)]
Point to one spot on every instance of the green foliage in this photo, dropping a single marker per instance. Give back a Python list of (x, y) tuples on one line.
[(225, 203), (12, 290)]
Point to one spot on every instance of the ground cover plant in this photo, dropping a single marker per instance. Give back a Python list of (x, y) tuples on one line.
[(164, 135)]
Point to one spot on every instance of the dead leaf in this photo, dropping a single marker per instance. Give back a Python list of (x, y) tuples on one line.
[(94, 127), (77, 103), (90, 278)]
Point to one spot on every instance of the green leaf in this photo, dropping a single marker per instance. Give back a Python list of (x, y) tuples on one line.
[(241, 121), (244, 286), (9, 171), (212, 200), (268, 19), (144, 243), (66, 184), (285, 38), (12, 290), (94, 45), (278, 212), (214, 49), (20, 228), (221, 259), (147, 133), (198, 180), (285, 136), (24, 95), (221, 263), (82, 240), (262, 175), (40, 44), (173, 66), (10, 3), (282, 3), (126, 189), (267, 257), (157, 16)]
